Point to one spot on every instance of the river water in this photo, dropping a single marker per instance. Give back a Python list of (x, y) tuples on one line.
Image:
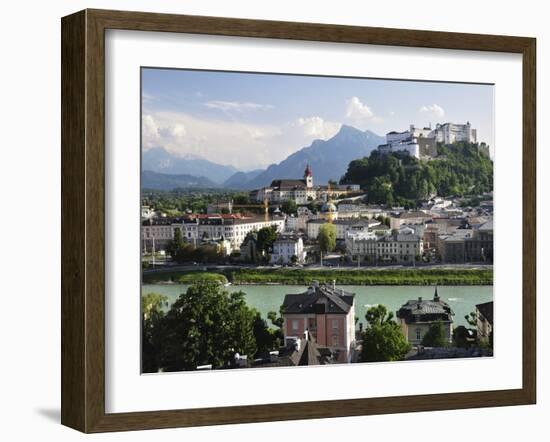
[(266, 298)]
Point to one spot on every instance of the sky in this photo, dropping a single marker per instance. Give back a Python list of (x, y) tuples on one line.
[(251, 120)]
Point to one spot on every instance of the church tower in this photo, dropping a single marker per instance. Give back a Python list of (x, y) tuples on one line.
[(308, 176)]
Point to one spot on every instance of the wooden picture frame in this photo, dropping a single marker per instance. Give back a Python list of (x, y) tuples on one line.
[(83, 219)]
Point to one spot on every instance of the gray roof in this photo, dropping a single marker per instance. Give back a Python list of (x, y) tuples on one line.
[(287, 239), (488, 226), (157, 222), (414, 214), (420, 310), (346, 222), (486, 310), (425, 307), (288, 184), (319, 299), (310, 353)]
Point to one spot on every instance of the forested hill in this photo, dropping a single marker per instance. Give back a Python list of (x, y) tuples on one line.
[(460, 169)]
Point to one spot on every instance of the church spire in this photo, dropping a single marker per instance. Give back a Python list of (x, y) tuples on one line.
[(436, 295), (308, 177)]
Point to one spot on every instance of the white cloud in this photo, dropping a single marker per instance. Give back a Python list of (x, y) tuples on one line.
[(243, 145), (360, 114), (355, 109), (317, 127), (146, 97), (236, 106), (149, 132), (433, 109), (225, 142)]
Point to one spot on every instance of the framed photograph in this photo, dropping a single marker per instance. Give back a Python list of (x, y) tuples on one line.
[(267, 221)]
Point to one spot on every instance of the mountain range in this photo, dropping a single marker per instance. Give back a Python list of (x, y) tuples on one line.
[(328, 159), (165, 181), (160, 160)]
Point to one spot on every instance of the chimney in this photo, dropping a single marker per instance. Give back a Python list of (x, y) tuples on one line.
[(334, 284)]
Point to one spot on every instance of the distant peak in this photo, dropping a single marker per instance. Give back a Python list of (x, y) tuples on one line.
[(350, 130), (347, 129)]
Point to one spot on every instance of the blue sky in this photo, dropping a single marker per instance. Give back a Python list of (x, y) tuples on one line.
[(252, 120)]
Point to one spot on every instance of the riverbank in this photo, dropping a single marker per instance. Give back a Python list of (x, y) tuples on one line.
[(298, 276), (176, 277)]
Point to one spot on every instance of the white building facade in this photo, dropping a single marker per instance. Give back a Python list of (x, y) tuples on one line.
[(449, 133), (288, 250), (403, 247), (224, 227), (410, 140), (342, 226)]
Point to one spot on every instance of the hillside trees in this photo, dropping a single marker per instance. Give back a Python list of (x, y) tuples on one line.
[(396, 178)]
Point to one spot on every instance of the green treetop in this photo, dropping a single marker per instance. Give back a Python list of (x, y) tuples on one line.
[(266, 238), (382, 339), (397, 178), (327, 237)]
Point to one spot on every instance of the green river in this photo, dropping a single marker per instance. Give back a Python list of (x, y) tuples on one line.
[(266, 298)]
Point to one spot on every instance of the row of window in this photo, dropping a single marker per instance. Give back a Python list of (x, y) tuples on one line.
[(296, 324)]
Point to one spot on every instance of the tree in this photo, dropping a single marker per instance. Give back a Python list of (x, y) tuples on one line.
[(206, 325), (382, 339), (152, 304), (278, 322), (177, 243), (267, 339), (151, 319), (206, 253), (436, 336), (266, 238), (289, 207), (241, 198), (471, 319), (462, 337), (378, 315), (327, 237), (184, 253)]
